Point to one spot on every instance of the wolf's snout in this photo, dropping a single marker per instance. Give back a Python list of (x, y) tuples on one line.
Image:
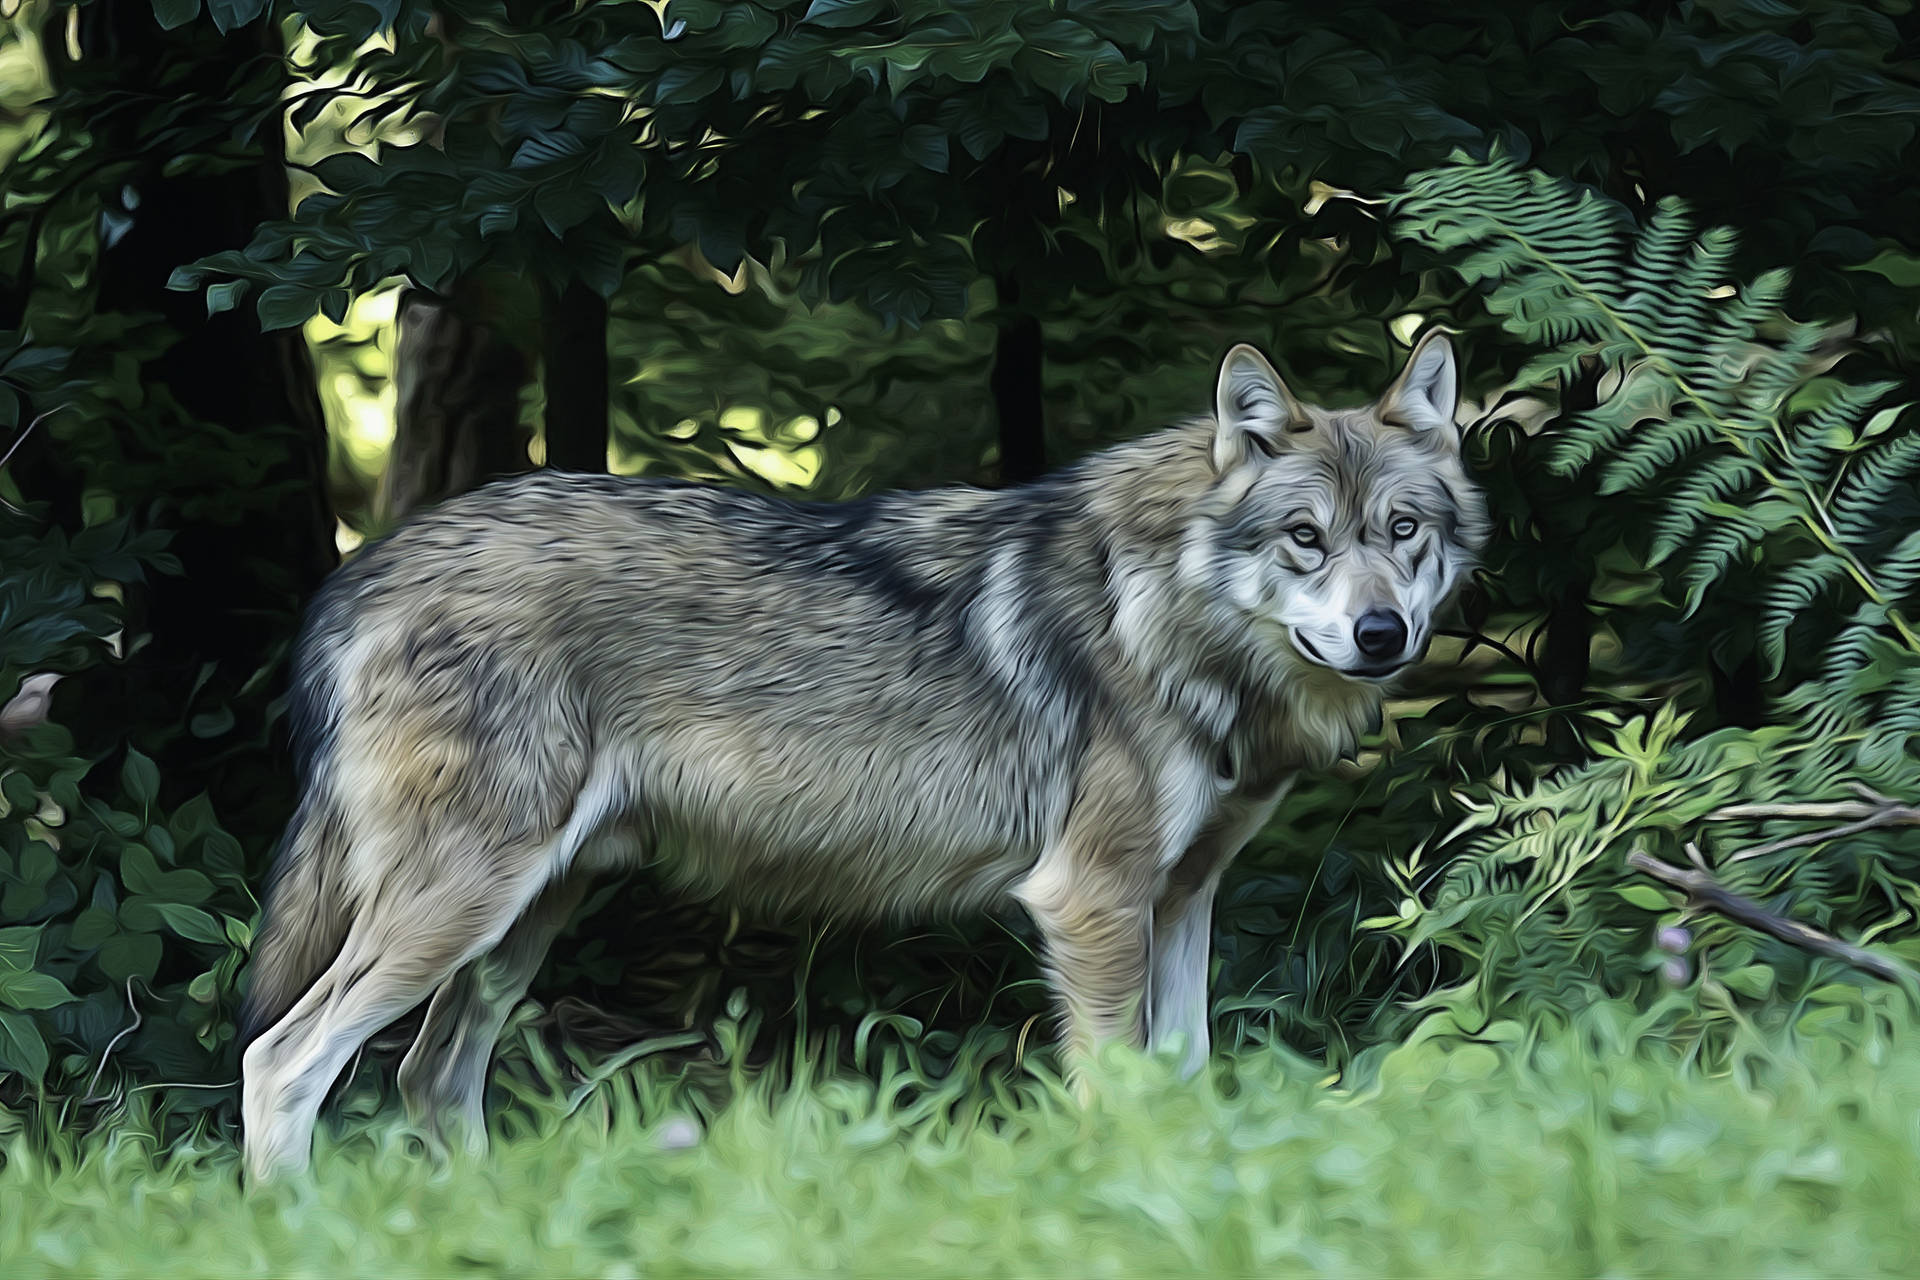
[(1380, 634)]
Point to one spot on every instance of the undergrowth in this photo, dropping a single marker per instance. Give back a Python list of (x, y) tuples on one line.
[(1592, 1150)]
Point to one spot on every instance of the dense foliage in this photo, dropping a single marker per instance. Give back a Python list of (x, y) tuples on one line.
[(811, 237)]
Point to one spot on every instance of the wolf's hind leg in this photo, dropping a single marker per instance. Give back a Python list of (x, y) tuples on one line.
[(444, 1076), (407, 941)]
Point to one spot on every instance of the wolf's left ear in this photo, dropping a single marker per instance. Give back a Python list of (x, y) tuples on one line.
[(1252, 407), (1427, 392)]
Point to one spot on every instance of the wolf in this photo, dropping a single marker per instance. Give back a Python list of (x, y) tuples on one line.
[(1083, 695)]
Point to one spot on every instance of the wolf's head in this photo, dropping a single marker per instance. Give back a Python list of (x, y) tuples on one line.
[(1346, 528)]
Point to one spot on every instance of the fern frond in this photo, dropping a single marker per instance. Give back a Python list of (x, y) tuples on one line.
[(1797, 587), (1690, 502), (1721, 422), (1879, 472)]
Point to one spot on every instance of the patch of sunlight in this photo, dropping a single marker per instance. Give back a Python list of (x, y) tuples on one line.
[(744, 420), (783, 454), (1318, 193), (622, 463), (353, 364), (788, 468), (1198, 232), (1404, 327)]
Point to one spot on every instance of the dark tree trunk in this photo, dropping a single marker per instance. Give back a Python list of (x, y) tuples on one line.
[(1566, 659), (1739, 693), (574, 353), (1018, 365), (457, 383), (251, 555)]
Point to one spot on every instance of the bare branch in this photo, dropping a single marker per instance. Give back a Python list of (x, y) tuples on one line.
[(1709, 893), (1856, 815)]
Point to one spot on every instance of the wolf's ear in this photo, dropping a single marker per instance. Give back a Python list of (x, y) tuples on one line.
[(1252, 407), (1427, 392)]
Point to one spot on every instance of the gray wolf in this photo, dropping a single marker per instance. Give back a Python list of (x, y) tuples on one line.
[(1086, 694)]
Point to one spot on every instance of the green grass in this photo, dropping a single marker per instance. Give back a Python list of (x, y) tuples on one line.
[(1580, 1154)]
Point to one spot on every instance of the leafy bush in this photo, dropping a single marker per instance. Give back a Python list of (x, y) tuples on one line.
[(122, 924)]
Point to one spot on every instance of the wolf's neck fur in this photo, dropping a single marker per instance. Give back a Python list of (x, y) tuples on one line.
[(1150, 506)]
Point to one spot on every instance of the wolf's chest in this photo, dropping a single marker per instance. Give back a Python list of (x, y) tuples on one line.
[(1305, 726)]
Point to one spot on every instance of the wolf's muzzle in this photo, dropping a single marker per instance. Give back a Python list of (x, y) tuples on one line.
[(1380, 634)]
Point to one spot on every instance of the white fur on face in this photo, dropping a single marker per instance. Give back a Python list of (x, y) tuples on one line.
[(1318, 594)]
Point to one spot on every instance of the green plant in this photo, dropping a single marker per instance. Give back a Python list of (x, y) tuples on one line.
[(123, 922)]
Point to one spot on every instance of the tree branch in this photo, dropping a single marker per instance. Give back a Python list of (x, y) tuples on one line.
[(1705, 891), (1857, 815)]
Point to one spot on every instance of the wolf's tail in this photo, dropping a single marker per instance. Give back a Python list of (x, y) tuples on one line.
[(306, 921)]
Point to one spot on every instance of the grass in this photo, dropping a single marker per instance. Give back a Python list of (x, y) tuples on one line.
[(1583, 1153)]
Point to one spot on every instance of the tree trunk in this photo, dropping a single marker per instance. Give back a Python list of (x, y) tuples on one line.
[(1739, 693), (1018, 362), (574, 352), (457, 383), (1567, 658)]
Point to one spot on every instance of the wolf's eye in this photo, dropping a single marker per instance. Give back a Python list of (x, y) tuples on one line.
[(1402, 528), (1305, 535)]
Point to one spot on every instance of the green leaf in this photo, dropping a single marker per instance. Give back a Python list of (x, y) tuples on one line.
[(142, 874), (20, 792), (175, 13), (140, 777), (211, 724), (286, 306), (92, 927), (926, 146), (687, 83), (1645, 896), (22, 1048), (1753, 981), (841, 13), (19, 946), (129, 955), (20, 990), (191, 923), (228, 14), (1902, 269), (226, 295)]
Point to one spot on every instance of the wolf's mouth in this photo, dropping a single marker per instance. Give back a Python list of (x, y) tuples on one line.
[(1389, 669)]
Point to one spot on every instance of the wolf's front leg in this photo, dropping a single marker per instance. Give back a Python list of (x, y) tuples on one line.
[(1097, 941), (1182, 954), (1092, 895), (1177, 1004)]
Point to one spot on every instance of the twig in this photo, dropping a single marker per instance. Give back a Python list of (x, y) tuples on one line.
[(113, 1044), (15, 448), (1478, 640), (1707, 892), (1857, 816)]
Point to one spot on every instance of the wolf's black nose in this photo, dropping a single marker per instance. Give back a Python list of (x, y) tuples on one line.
[(1380, 633)]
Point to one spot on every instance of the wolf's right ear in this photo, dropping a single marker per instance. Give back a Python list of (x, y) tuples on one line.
[(1252, 408)]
